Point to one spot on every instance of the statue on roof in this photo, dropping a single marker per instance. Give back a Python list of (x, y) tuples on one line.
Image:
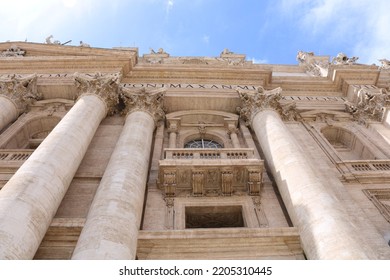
[(343, 59), (85, 45), (385, 64), (50, 42)]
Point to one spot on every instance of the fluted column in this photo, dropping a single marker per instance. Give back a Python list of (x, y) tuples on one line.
[(326, 232), (29, 201), (16, 93), (113, 221)]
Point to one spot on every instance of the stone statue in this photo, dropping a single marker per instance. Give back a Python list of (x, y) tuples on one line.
[(50, 42), (385, 64), (226, 51), (160, 51), (13, 51), (343, 59), (85, 45), (314, 65)]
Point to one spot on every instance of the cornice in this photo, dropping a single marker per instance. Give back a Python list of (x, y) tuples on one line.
[(48, 58)]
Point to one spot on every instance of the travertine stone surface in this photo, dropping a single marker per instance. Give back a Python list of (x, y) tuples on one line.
[(30, 199), (323, 223), (114, 218), (8, 112)]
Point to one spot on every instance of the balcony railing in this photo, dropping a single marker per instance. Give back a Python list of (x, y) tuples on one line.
[(244, 153), (371, 170), (15, 155), (210, 172)]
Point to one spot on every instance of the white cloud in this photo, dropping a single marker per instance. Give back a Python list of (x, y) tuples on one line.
[(206, 39), (257, 61), (169, 6), (364, 24)]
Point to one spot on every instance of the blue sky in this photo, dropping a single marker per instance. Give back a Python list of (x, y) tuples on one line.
[(267, 31)]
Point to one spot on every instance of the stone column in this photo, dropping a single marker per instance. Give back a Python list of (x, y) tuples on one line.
[(172, 130), (16, 93), (30, 199), (111, 229), (326, 232)]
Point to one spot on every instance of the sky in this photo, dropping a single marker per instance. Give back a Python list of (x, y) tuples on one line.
[(266, 31)]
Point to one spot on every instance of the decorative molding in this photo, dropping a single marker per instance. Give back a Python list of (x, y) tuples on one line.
[(198, 182), (381, 199), (169, 182), (370, 105), (150, 102), (260, 215), (314, 65), (104, 86), (254, 101), (227, 182), (13, 51), (21, 90), (254, 181)]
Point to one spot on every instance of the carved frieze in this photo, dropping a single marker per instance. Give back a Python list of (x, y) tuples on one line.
[(254, 101), (144, 100), (22, 90), (370, 105), (104, 86), (13, 51)]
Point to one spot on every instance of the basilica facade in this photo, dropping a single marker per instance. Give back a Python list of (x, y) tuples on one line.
[(109, 154)]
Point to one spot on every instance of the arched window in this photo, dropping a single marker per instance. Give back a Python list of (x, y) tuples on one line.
[(203, 144), (347, 144)]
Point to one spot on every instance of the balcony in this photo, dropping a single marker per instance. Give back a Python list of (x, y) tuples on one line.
[(368, 171), (11, 159), (210, 172)]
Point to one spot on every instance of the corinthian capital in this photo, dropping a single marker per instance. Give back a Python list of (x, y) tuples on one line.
[(22, 90), (370, 106), (104, 86), (254, 101), (142, 100)]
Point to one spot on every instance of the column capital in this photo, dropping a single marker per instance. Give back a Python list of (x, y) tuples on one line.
[(20, 89), (254, 101), (370, 105), (150, 102), (105, 86)]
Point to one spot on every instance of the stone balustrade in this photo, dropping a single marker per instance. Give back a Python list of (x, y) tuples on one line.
[(241, 153), (365, 170), (15, 155)]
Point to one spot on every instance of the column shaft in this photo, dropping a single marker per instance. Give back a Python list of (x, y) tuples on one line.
[(172, 139), (29, 201), (8, 112), (113, 221), (326, 232), (235, 141)]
